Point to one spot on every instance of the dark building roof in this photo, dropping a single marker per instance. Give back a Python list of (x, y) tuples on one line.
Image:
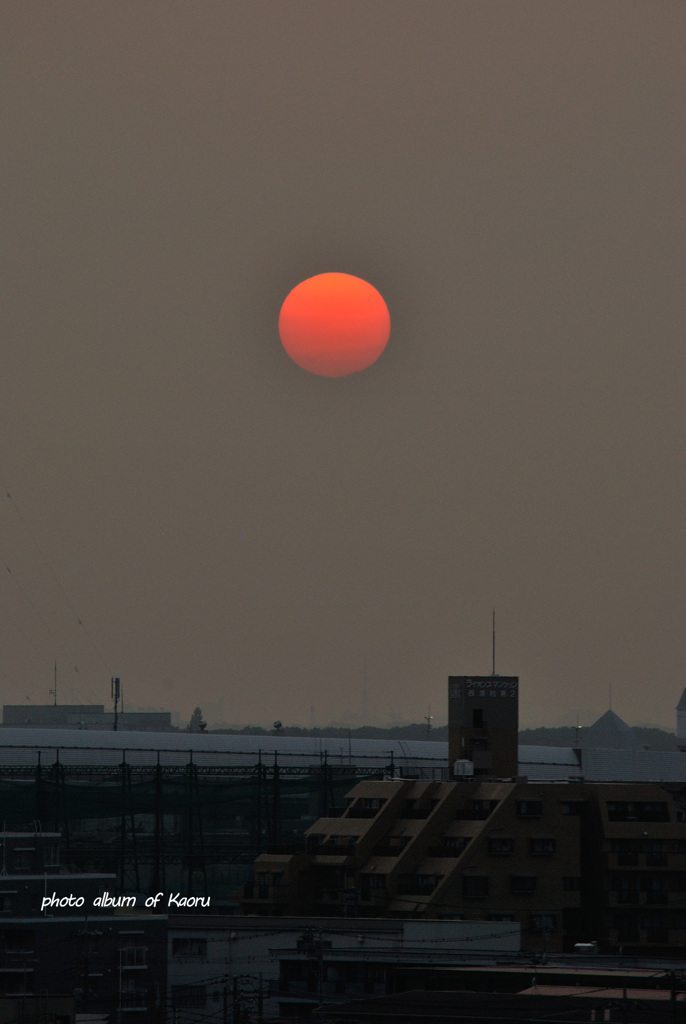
[(439, 1007)]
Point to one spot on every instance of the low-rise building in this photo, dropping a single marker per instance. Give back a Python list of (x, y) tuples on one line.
[(232, 967), (69, 934)]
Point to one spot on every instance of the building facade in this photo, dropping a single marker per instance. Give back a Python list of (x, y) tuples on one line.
[(483, 725)]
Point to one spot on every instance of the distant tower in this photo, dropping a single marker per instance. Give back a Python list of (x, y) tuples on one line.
[(681, 722), (483, 724)]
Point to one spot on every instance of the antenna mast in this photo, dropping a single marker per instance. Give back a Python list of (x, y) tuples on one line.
[(427, 719), (53, 692), (115, 690), (493, 645)]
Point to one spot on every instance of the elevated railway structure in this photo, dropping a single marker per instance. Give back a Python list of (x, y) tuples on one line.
[(184, 810)]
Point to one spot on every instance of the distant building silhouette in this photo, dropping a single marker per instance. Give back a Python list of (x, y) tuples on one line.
[(610, 733), (82, 716)]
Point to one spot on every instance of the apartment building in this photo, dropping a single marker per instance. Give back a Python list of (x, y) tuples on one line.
[(567, 862)]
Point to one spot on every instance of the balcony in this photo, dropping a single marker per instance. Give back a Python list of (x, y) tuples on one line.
[(472, 814), (420, 885), (389, 849), (448, 849)]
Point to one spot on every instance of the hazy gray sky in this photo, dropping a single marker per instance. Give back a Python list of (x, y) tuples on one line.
[(234, 532)]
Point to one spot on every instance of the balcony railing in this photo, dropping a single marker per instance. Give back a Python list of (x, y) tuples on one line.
[(446, 850)]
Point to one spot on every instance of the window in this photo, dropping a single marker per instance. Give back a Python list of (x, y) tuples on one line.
[(332, 841), (417, 885), (570, 883), (412, 809), (189, 947), (477, 718), (523, 883), (16, 940), (500, 846), (529, 808), (365, 807), (51, 856), (451, 846), (655, 853), (542, 922), (626, 851), (189, 996), (475, 886), (637, 810), (391, 846), (372, 884), (133, 995), (541, 846), (133, 956), (571, 807), (23, 860)]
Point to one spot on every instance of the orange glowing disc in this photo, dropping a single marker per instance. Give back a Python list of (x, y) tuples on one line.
[(334, 324)]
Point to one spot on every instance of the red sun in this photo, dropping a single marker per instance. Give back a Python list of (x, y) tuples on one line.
[(334, 324)]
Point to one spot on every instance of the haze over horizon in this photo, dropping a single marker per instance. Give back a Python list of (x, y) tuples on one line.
[(185, 508)]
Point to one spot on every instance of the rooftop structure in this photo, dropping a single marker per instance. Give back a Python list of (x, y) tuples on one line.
[(483, 723)]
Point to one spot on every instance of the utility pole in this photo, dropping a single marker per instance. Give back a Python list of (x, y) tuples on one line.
[(115, 690), (427, 719), (493, 645)]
